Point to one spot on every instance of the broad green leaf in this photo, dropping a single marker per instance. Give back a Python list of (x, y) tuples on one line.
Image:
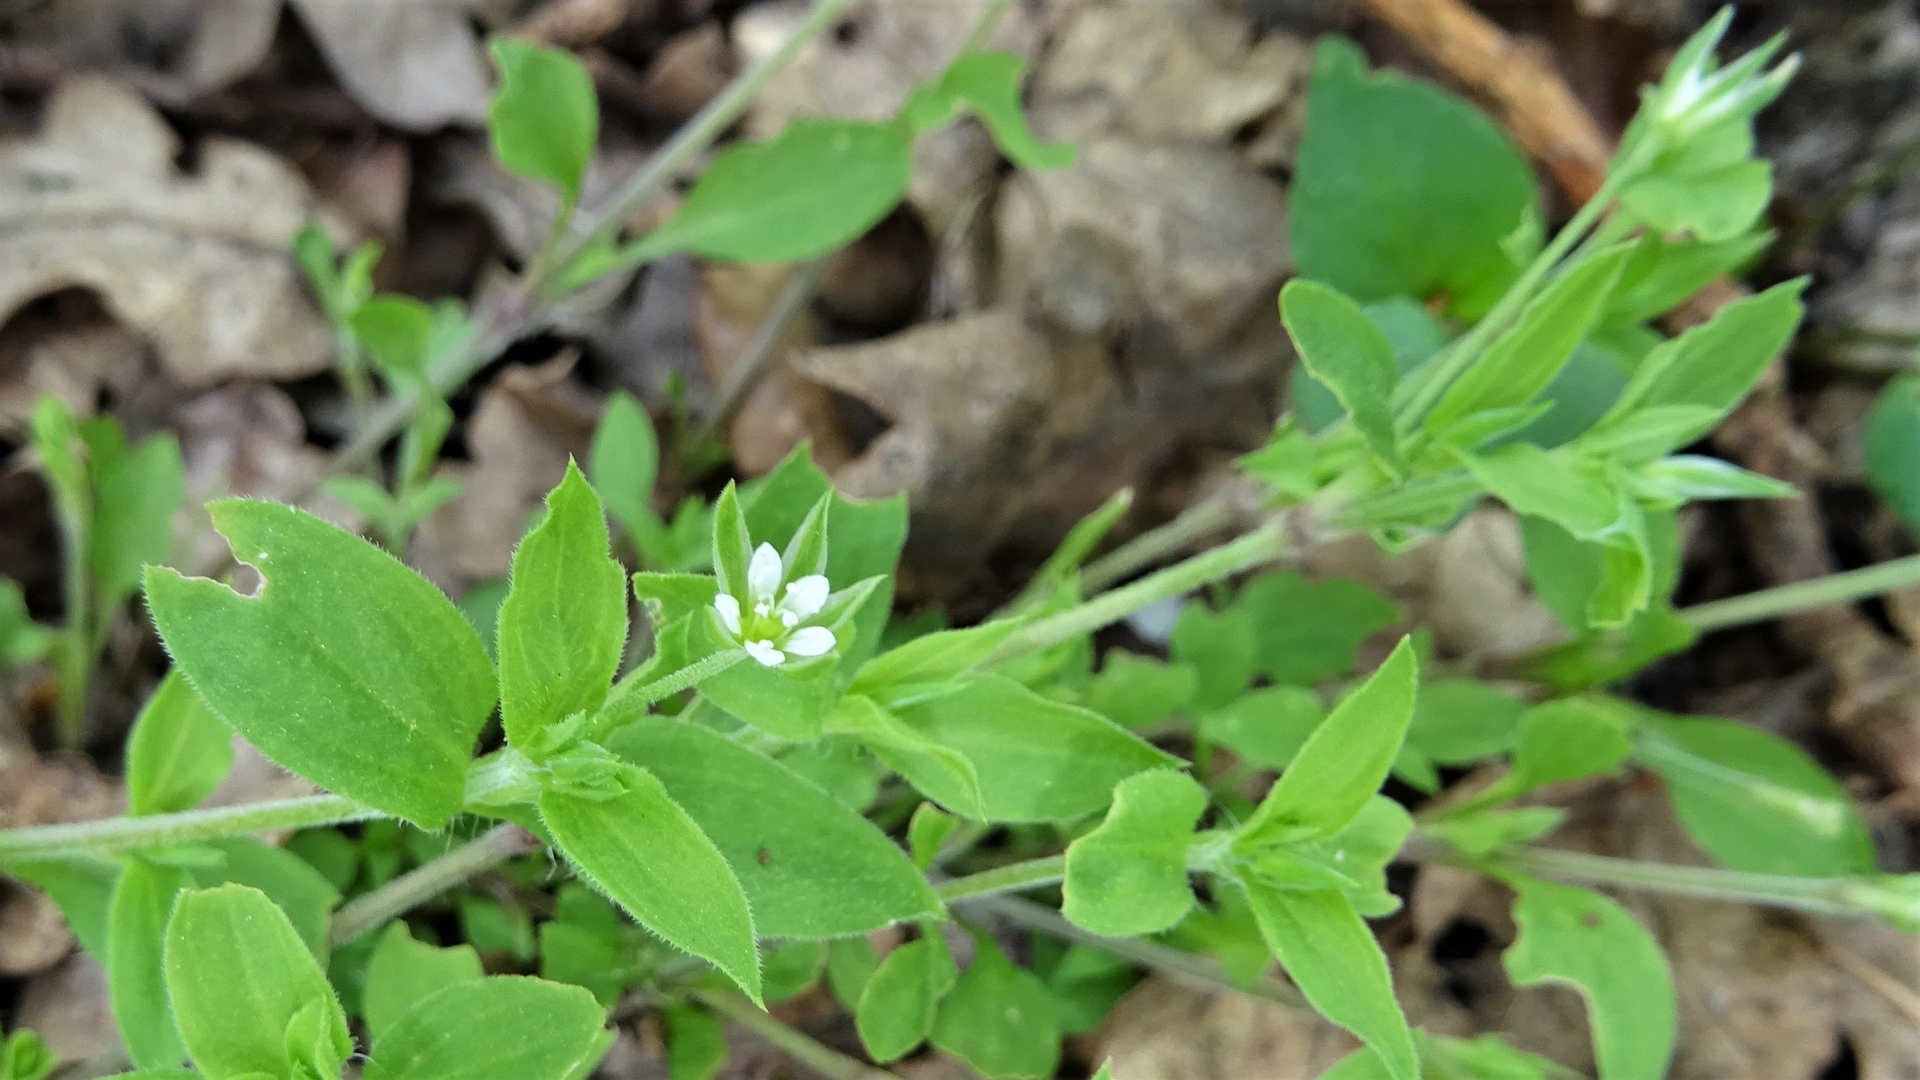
[(1524, 359), (21, 639), (502, 1028), (346, 668), (1892, 452), (1036, 759), (810, 868), (396, 329), (934, 658), (136, 493), (927, 830), (1220, 648), (1135, 691), (1306, 630), (301, 892), (177, 753), (1755, 801), (646, 853), (403, 972), (1460, 721), (1348, 756), (136, 977), (564, 622), (696, 1043), (998, 1018), (545, 116), (938, 771), (989, 84), (1335, 961), (82, 885), (1129, 876), (898, 1004), (1584, 940), (1347, 353), (1403, 190), (819, 184), (624, 462), (239, 978), (1713, 365), (1267, 726), (1537, 483)]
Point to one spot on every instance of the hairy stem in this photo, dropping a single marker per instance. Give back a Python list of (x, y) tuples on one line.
[(430, 879), (628, 702), (1010, 878), (1196, 522), (824, 1060), (1844, 588), (121, 833)]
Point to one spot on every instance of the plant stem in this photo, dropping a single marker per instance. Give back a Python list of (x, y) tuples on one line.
[(627, 702), (1197, 970), (983, 26), (1843, 588), (754, 360), (824, 1060), (1202, 519), (428, 880), (121, 833), (1250, 550), (1009, 878)]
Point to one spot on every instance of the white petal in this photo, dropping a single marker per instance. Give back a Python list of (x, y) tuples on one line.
[(729, 610), (764, 573), (806, 596), (764, 652), (809, 641)]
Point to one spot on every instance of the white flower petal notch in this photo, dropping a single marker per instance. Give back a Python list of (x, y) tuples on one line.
[(771, 623)]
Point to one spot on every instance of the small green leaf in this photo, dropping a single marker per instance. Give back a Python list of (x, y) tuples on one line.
[(1566, 740), (989, 84), (1086, 982), (1713, 365), (1663, 273), (545, 117), (1348, 756), (1347, 353), (1460, 721), (1332, 956), (934, 658), (1683, 478), (897, 1006), (403, 972), (1135, 691), (82, 885), (940, 772), (669, 598), (346, 668), (810, 868), (26, 1056), (396, 330), (136, 493), (1486, 831), (564, 622), (301, 893), (1892, 448), (926, 831), (696, 1043), (624, 463), (136, 977), (642, 850), (998, 1018), (1540, 484), (1267, 726), (239, 977), (1416, 336), (851, 964), (1220, 648), (1129, 876), (791, 968), (732, 548), (177, 753), (1586, 941), (1306, 630), (819, 184), (501, 1028), (1063, 566), (1709, 185), (22, 640)]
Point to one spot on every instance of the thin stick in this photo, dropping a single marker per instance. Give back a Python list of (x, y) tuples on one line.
[(757, 358), (1843, 588), (824, 1060), (121, 833), (428, 880), (1196, 522)]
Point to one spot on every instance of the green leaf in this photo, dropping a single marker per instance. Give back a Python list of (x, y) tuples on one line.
[(1347, 757), (1709, 185), (1460, 721), (932, 658), (1333, 958), (624, 463), (732, 547), (1892, 448), (346, 668), (1220, 648), (501, 1028), (1135, 691), (646, 853), (545, 116), (1586, 941), (896, 1009), (1755, 801), (1345, 351), (1306, 630), (1540, 484), (22, 640), (939, 771), (851, 964), (810, 868), (594, 955), (177, 753), (1566, 740), (82, 885), (1683, 478), (1036, 759), (1063, 566), (927, 830), (136, 493), (1713, 365), (1664, 273), (998, 1018), (1352, 861), (564, 623), (136, 978), (1403, 190), (1413, 331), (818, 185), (396, 330), (403, 972), (989, 84), (1486, 831), (26, 1056), (791, 968), (696, 1043), (1086, 982), (1267, 726), (239, 978), (301, 892), (1524, 359), (1129, 876)]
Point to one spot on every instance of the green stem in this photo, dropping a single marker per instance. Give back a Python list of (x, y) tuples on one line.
[(74, 660), (1844, 588), (824, 1060), (983, 26), (1196, 522), (121, 833), (1226, 560), (1009, 878), (755, 360), (627, 702), (428, 880)]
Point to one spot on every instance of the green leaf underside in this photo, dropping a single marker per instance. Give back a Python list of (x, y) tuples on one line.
[(501, 1028)]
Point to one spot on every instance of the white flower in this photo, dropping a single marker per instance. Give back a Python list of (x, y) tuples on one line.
[(770, 628)]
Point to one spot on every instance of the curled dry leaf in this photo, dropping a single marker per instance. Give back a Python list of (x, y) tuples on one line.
[(196, 262), (416, 65)]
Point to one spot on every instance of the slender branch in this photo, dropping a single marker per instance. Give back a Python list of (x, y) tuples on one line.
[(983, 26), (1021, 875), (824, 1060), (1250, 550), (1844, 588), (627, 701), (757, 358), (121, 833), (428, 880), (1196, 522), (1196, 970)]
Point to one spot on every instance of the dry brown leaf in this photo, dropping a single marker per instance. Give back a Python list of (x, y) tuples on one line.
[(1165, 1031), (200, 45), (198, 263), (68, 1007), (415, 64), (782, 410), (33, 935)]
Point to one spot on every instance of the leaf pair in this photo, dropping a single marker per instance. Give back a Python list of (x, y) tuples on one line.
[(998, 1018)]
